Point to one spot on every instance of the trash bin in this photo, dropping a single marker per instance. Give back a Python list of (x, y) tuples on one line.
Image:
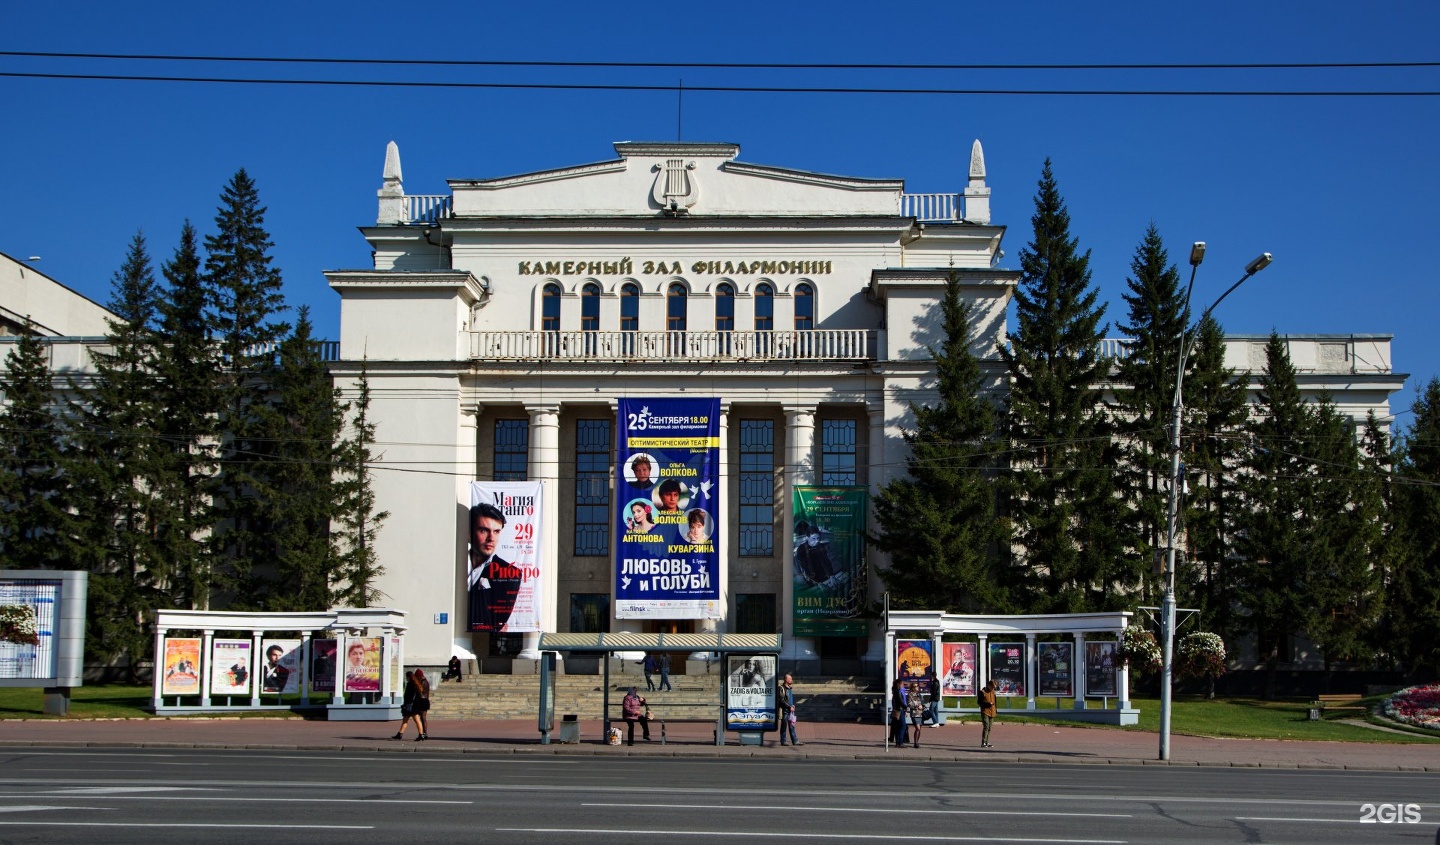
[(570, 728)]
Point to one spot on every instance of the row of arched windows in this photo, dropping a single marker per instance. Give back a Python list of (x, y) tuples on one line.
[(677, 307)]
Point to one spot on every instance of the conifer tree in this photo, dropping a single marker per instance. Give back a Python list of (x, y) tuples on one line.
[(357, 523), (1073, 541), (938, 525), (115, 462), (36, 528), (187, 370), (1414, 611), (246, 301)]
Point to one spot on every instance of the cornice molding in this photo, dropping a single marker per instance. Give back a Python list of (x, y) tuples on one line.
[(806, 177)]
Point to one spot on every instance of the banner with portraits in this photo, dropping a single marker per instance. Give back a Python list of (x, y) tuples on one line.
[(182, 666), (1057, 669), (960, 671), (1100, 669), (362, 664), (324, 657), (828, 561), (1007, 668), (667, 509), (913, 659), (750, 692), (502, 566), (229, 667), (280, 666)]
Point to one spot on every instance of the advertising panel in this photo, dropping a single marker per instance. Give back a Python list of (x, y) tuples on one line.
[(362, 664), (1057, 667), (230, 667), (828, 561), (323, 660), (182, 666), (1100, 669), (667, 509), (959, 678), (1007, 668), (280, 670), (502, 568), (913, 659), (750, 692), (33, 606)]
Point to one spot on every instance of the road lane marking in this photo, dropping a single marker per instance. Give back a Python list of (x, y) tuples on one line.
[(907, 810), (30, 808), (752, 834), (116, 790), (217, 799), (1277, 819), (186, 825)]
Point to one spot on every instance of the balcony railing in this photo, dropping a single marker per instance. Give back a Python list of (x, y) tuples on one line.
[(427, 208), (931, 208), (815, 345)]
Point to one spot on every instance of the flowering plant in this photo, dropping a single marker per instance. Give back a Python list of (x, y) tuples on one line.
[(1201, 655), (17, 625), (1418, 706), (1139, 649)]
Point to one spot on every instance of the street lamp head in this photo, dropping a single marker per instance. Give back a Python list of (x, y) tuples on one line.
[(1260, 263), (1197, 253)]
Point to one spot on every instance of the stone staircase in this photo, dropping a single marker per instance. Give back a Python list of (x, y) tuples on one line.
[(694, 696)]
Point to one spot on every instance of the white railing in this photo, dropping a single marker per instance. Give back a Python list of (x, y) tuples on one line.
[(815, 345), (1115, 347), (931, 208), (427, 208)]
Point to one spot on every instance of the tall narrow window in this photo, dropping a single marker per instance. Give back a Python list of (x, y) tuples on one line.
[(630, 307), (592, 487), (512, 450), (676, 301), (764, 308), (837, 452), (804, 308), (724, 308), (550, 308), (590, 308), (757, 488)]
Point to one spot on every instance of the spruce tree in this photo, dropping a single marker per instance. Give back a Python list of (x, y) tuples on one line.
[(116, 462), (246, 301), (36, 527), (187, 371), (1414, 610), (938, 525), (1073, 542), (357, 523)]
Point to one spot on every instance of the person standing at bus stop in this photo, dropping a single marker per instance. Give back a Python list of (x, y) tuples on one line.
[(785, 703), (987, 712)]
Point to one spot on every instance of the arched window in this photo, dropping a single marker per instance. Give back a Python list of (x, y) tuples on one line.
[(675, 307), (630, 307), (590, 308), (550, 308), (725, 308), (804, 308), (764, 308)]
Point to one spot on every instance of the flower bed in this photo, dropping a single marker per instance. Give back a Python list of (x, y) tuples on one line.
[(1418, 706)]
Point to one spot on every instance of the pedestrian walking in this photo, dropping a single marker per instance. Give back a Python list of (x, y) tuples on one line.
[(650, 667), (898, 732), (934, 690), (407, 705), (665, 671), (915, 707), (785, 702), (422, 705), (987, 712)]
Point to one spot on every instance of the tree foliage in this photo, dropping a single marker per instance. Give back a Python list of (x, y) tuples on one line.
[(36, 523)]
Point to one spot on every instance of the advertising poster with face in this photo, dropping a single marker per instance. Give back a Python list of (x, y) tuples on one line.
[(1057, 667), (667, 500), (280, 666), (502, 569), (913, 659), (323, 660), (959, 677), (1100, 669), (750, 692), (230, 667), (182, 666), (828, 561), (362, 664), (1007, 668)]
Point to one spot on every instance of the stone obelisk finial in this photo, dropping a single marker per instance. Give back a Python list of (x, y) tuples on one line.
[(392, 189), (977, 196)]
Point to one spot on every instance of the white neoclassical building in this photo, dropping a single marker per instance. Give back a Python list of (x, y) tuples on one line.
[(504, 321)]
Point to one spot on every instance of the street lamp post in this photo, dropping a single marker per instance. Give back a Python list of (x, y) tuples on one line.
[(1167, 604)]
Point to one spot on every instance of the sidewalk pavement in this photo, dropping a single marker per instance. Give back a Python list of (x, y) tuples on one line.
[(954, 742)]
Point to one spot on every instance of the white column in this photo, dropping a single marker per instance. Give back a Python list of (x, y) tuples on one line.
[(257, 668), (799, 471), (207, 640), (545, 467), (467, 459), (1031, 663), (303, 667), (1078, 668), (982, 661), (937, 658), (1122, 682)]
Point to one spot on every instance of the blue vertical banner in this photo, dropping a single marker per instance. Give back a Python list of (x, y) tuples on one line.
[(667, 558)]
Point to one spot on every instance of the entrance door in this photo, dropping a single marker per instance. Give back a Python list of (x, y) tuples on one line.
[(673, 626)]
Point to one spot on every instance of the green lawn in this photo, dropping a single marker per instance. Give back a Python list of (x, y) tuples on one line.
[(94, 702)]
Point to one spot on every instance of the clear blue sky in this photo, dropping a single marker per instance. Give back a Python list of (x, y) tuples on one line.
[(1342, 190)]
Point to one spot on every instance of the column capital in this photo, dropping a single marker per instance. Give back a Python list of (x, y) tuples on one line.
[(538, 413), (800, 417), (473, 411)]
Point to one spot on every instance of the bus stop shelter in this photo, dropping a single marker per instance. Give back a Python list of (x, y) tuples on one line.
[(625, 642)]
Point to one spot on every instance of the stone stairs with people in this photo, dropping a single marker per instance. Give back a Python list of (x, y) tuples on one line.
[(480, 696)]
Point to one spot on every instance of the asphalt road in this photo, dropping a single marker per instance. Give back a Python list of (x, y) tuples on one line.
[(148, 795)]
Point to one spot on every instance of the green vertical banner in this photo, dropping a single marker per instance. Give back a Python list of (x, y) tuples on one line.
[(829, 561)]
